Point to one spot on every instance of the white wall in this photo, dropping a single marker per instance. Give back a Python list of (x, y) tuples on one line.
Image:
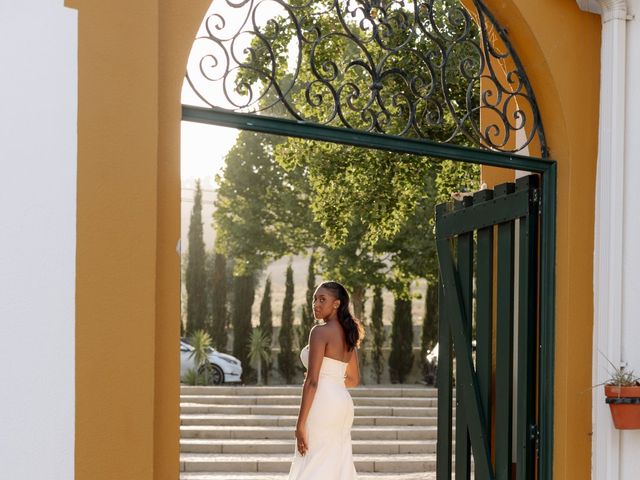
[(38, 91)]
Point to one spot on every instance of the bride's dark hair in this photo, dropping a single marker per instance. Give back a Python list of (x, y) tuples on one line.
[(353, 330)]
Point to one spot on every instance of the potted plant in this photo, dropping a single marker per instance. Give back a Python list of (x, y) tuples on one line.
[(623, 397)]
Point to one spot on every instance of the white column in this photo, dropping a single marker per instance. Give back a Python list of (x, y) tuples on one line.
[(612, 186), (630, 330)]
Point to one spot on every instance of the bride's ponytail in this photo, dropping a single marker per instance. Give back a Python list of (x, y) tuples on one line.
[(353, 329)]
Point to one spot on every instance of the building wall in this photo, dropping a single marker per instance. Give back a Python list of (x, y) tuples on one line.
[(38, 98), (137, 285), (131, 64)]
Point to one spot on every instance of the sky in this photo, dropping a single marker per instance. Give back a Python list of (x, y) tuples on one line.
[(202, 150)]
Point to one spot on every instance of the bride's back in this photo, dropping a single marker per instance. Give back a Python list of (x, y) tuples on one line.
[(336, 346)]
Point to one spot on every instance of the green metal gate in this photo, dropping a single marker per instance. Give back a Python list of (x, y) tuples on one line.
[(496, 416)]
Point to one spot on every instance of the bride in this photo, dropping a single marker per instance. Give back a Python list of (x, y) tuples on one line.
[(323, 431)]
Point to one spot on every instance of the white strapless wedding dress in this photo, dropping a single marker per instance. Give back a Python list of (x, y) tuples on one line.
[(329, 454)]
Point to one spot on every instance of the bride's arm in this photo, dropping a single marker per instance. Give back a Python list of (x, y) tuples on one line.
[(352, 375), (317, 344)]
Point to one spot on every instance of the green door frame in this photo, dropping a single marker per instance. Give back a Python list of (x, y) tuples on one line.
[(548, 184)]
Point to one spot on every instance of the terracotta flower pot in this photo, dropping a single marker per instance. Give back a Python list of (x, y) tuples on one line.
[(624, 403)]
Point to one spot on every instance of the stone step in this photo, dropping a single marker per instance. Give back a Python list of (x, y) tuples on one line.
[(279, 433), (361, 391), (198, 408), (283, 476), (290, 420), (287, 446), (295, 400), (409, 463)]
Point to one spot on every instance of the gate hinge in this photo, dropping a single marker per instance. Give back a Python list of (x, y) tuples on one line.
[(534, 435)]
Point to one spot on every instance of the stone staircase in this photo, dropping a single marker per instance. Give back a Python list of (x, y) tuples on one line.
[(246, 432)]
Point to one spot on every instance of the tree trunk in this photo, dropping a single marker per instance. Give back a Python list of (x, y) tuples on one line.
[(358, 300), (259, 371)]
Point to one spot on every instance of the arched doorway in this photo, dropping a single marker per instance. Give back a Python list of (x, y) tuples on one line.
[(131, 68), (384, 75)]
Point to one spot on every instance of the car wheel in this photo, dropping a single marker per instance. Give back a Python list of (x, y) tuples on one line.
[(215, 375)]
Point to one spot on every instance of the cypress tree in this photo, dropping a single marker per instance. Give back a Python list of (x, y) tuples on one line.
[(286, 357), (307, 309), (195, 271), (243, 293), (377, 329), (219, 313), (401, 357), (429, 328), (266, 325)]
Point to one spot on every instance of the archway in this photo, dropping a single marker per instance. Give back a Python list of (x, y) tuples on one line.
[(389, 87), (132, 379)]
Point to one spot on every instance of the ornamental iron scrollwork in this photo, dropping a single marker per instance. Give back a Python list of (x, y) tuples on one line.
[(430, 69)]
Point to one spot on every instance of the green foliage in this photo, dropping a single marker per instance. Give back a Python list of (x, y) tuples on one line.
[(243, 295), (261, 209), (266, 328), (259, 350), (620, 376), (201, 343), (456, 177), (369, 191), (218, 302), (195, 270), (192, 377), (379, 335), (286, 357), (401, 357), (307, 319)]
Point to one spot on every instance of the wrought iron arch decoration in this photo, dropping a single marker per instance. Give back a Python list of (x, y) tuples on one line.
[(424, 69)]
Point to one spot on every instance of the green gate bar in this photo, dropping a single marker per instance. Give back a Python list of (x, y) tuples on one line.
[(465, 272), (527, 333), (484, 314), (504, 343), (445, 401)]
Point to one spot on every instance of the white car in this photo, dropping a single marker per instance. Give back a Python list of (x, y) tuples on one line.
[(224, 368)]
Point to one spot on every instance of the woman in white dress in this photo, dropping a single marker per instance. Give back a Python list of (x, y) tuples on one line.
[(323, 431)]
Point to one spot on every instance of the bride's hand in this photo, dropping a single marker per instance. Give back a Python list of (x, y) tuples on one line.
[(301, 440)]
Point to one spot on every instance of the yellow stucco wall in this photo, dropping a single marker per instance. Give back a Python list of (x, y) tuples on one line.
[(131, 62)]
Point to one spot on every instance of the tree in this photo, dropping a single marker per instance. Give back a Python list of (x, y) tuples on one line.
[(262, 211), (430, 320), (307, 319), (195, 271), (218, 303), (266, 329), (401, 357), (429, 328), (259, 350), (243, 293), (286, 357), (379, 335)]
